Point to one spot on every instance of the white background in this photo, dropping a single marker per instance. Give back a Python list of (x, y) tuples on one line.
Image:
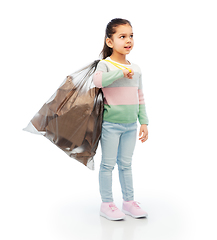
[(47, 195)]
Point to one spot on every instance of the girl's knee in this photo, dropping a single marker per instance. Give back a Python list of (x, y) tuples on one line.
[(107, 166), (124, 164)]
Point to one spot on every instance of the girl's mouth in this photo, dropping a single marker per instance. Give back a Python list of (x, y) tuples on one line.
[(128, 47)]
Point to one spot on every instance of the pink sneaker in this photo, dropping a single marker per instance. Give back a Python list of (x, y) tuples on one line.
[(111, 212), (133, 209)]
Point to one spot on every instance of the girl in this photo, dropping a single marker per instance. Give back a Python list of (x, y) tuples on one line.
[(123, 104)]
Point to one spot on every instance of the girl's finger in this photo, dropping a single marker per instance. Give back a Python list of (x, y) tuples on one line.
[(141, 135), (143, 138)]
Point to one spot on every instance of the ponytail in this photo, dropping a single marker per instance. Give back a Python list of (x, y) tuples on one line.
[(106, 51)]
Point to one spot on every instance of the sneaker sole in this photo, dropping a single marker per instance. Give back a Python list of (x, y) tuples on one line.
[(113, 219), (130, 214)]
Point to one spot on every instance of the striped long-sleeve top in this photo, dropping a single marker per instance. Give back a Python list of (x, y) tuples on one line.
[(123, 97)]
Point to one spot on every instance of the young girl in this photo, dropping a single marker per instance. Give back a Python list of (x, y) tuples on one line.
[(123, 105)]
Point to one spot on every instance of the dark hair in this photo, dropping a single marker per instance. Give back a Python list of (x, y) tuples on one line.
[(110, 30)]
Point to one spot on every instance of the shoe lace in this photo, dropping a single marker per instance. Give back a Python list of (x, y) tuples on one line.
[(113, 207), (135, 204)]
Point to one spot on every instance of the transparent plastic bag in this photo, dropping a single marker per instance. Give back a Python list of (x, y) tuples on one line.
[(72, 117)]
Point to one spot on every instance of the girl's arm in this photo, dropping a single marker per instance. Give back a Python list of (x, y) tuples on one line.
[(103, 79), (143, 118)]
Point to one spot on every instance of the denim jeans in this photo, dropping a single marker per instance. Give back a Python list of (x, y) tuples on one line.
[(117, 143)]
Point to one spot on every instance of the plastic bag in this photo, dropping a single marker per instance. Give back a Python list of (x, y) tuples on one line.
[(72, 117)]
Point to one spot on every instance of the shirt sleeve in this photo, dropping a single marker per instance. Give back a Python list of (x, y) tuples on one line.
[(142, 116), (103, 77)]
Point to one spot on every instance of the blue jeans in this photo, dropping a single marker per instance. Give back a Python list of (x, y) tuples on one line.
[(117, 143)]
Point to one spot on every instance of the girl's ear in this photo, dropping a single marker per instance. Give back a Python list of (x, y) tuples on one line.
[(109, 42)]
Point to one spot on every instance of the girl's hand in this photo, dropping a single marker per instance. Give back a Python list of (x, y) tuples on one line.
[(128, 74), (143, 133)]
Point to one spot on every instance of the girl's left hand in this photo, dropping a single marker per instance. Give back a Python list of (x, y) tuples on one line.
[(143, 133)]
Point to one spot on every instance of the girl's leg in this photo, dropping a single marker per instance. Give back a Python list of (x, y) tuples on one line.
[(109, 143), (125, 153)]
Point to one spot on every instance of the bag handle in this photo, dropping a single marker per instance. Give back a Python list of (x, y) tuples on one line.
[(117, 65)]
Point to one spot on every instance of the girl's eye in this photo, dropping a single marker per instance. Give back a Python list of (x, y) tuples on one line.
[(131, 36)]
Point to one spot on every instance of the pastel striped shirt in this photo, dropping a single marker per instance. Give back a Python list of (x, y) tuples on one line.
[(123, 97)]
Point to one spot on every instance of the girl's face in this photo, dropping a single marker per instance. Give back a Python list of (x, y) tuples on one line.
[(122, 41)]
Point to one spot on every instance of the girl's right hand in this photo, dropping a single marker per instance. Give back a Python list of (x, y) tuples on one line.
[(128, 74)]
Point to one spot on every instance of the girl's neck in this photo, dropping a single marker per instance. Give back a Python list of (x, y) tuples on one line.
[(120, 58)]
